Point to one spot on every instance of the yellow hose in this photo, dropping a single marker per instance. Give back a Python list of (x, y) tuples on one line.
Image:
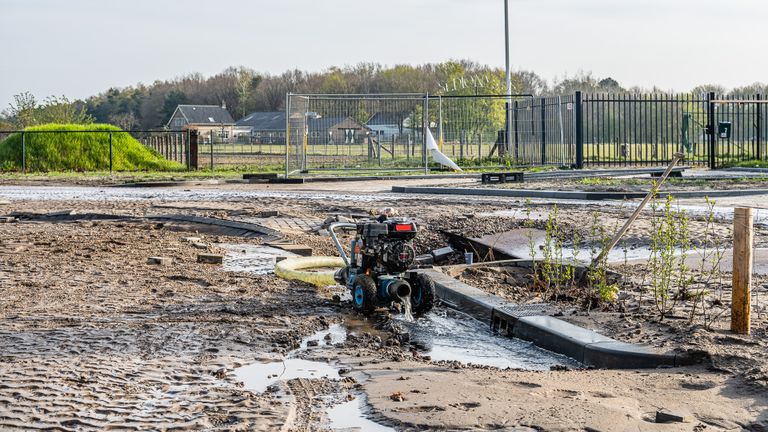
[(291, 269)]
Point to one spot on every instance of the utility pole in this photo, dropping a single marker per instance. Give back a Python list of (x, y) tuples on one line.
[(508, 76)]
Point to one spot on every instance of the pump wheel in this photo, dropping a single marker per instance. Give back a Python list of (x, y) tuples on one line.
[(364, 294), (423, 294)]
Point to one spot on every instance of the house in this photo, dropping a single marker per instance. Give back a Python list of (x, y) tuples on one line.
[(389, 124), (210, 121), (269, 128), (336, 130)]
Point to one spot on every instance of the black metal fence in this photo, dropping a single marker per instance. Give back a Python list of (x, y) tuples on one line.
[(638, 129), (380, 132)]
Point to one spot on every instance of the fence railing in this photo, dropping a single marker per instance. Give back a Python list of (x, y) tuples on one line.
[(577, 130), (388, 132)]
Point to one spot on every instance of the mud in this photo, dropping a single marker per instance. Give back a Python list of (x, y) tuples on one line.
[(95, 338)]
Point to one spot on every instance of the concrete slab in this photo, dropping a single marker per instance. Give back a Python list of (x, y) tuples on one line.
[(204, 258)]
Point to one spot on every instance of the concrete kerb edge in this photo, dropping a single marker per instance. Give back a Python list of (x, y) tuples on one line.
[(573, 195), (586, 346)]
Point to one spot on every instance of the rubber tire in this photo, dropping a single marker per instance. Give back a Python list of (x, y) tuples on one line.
[(424, 285), (364, 295)]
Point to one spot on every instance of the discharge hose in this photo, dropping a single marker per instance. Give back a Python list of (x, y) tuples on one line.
[(293, 269)]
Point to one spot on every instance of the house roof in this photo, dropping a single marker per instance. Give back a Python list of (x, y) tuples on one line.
[(275, 120), (388, 118), (267, 120), (205, 114), (326, 122)]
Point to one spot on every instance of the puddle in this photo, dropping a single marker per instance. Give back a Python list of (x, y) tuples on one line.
[(350, 416), (336, 333), (451, 335), (257, 377), (516, 243), (252, 259)]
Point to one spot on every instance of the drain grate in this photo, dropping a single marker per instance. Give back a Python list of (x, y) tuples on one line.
[(519, 311)]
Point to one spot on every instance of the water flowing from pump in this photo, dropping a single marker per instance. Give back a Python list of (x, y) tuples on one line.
[(406, 302)]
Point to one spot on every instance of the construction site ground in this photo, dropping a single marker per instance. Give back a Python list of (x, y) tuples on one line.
[(94, 337)]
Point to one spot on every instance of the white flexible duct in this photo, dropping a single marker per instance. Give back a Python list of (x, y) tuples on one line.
[(292, 269)]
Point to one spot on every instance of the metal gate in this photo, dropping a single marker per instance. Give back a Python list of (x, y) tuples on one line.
[(387, 132)]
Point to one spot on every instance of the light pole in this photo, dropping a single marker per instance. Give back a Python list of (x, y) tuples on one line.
[(508, 127)]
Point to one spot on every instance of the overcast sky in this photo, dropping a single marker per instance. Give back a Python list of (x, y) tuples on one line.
[(81, 47)]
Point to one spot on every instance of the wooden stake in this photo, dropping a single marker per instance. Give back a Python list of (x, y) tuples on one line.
[(742, 270)]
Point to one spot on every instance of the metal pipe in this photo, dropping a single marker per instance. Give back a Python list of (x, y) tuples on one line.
[(675, 159), (399, 289), (332, 231)]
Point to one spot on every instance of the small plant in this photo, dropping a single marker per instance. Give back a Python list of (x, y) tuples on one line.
[(670, 244), (709, 269), (529, 225)]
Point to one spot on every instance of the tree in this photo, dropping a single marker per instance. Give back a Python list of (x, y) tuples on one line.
[(125, 121), (22, 112), (61, 110), (609, 85), (172, 99), (706, 88), (247, 80)]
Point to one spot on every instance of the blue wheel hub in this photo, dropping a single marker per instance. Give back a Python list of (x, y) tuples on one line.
[(359, 296), (416, 296)]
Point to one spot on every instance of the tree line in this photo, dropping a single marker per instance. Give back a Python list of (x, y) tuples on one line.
[(243, 90)]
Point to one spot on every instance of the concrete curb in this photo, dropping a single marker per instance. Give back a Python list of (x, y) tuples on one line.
[(747, 169), (585, 346), (170, 183), (570, 195)]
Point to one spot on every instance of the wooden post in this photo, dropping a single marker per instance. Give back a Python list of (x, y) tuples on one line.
[(742, 270)]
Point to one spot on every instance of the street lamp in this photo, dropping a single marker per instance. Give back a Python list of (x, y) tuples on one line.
[(508, 76)]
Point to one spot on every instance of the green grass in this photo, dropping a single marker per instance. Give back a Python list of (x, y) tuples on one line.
[(747, 164), (79, 151)]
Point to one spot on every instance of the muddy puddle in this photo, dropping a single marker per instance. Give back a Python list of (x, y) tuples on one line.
[(518, 243), (351, 416), (259, 376), (252, 259), (445, 334), (721, 213)]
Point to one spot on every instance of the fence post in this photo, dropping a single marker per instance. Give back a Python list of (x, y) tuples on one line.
[(543, 131), (711, 129), (425, 114), (193, 149), (211, 137), (743, 236), (110, 152), (479, 147), (759, 124), (23, 153), (579, 120), (287, 131), (517, 145), (188, 149), (379, 136)]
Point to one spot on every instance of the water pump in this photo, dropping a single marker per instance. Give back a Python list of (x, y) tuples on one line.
[(379, 271)]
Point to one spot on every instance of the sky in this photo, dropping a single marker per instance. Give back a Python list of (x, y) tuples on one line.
[(79, 48)]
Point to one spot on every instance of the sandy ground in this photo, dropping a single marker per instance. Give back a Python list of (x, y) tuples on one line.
[(95, 338)]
